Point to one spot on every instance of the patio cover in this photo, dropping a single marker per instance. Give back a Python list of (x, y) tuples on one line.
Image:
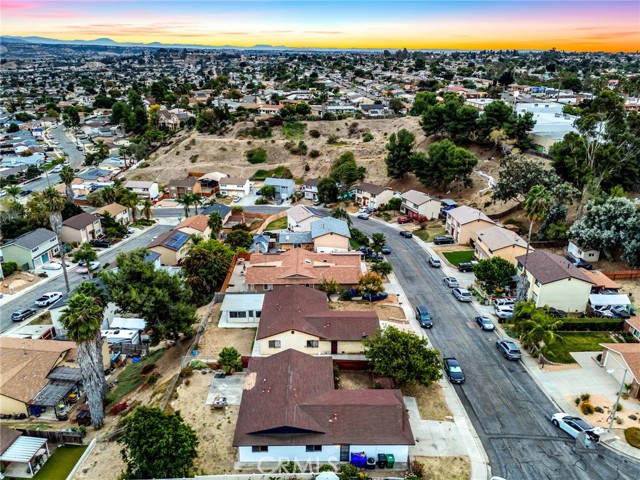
[(52, 394), (23, 449), (603, 300)]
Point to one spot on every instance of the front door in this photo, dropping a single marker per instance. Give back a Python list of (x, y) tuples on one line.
[(334, 347), (344, 453)]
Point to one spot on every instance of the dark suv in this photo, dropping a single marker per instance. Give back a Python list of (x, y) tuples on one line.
[(101, 243), (444, 240), (465, 267), (423, 316), (578, 262)]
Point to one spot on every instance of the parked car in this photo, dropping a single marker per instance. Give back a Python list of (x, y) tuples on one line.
[(465, 267), (101, 243), (406, 234), (451, 282), (554, 312), (375, 298), (575, 425), (48, 299), (453, 370), (508, 349), (485, 323), (316, 203), (386, 250), (435, 261), (24, 193), (236, 199), (578, 262), (620, 311), (503, 301), (82, 267), (423, 316), (402, 220), (3, 193), (363, 216), (462, 294), (56, 169), (23, 313), (503, 312), (279, 201), (603, 311), (444, 240), (52, 266)]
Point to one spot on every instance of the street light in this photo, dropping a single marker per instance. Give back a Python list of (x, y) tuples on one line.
[(615, 405)]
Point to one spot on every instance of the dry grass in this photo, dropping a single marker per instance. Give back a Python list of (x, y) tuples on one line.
[(430, 400), (445, 468), (355, 380), (385, 312), (215, 338)]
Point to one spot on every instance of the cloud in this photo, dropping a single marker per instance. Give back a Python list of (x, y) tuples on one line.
[(322, 32), (610, 35)]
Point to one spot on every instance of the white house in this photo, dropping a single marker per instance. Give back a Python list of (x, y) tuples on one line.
[(234, 187), (372, 195), (586, 254), (310, 189), (241, 309), (143, 189), (299, 218)]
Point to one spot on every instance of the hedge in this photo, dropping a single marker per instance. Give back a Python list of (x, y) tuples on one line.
[(591, 325), (8, 268)]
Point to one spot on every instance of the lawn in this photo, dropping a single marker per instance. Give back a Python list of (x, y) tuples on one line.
[(455, 258), (131, 378), (428, 234), (279, 224), (575, 342), (61, 463)]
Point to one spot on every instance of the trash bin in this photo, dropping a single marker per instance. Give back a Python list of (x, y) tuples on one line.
[(391, 460), (382, 460), (371, 463)]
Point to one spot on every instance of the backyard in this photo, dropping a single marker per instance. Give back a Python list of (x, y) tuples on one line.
[(455, 258), (279, 224), (575, 342), (61, 463), (428, 234)]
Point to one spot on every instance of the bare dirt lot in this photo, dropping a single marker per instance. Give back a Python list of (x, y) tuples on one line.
[(215, 339), (385, 312), (445, 468), (18, 281)]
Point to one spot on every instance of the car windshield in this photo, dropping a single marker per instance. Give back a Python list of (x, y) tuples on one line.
[(455, 369), (486, 321), (581, 424)]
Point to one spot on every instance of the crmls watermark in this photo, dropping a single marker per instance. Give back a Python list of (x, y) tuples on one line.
[(270, 465)]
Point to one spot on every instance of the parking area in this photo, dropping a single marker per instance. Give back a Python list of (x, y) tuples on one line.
[(227, 386)]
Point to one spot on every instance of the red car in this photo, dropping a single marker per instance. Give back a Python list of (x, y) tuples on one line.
[(404, 220)]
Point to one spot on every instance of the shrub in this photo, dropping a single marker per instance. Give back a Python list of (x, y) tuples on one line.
[(367, 137), (591, 325), (143, 165), (147, 368), (256, 155), (618, 407), (632, 435), (332, 140), (186, 372), (619, 421), (193, 158), (315, 153), (9, 267), (632, 417), (577, 401), (326, 467), (599, 409), (314, 133), (585, 397), (587, 408), (345, 295)]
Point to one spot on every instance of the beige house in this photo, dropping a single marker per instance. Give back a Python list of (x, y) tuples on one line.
[(621, 356), (119, 213), (463, 221), (498, 242), (172, 246), (416, 205), (555, 282), (372, 195), (81, 228), (195, 225), (184, 186), (330, 235), (298, 317), (299, 218), (235, 187)]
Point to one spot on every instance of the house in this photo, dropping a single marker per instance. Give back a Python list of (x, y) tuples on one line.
[(97, 175), (624, 360), (172, 247), (285, 187), (241, 309), (235, 187), (291, 409), (260, 244), (143, 189), (220, 208), (463, 221), (290, 240), (600, 281), (33, 249), (330, 235), (298, 317), (372, 195), (375, 110), (417, 205), (195, 225), (116, 211), (586, 254), (555, 282), (310, 189), (81, 228), (210, 182), (498, 242), (17, 449), (301, 267), (299, 218), (189, 185)]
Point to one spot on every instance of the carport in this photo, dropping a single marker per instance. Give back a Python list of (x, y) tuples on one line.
[(25, 450)]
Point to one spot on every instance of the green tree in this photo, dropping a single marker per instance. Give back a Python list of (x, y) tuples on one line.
[(327, 191), (379, 241), (214, 222), (494, 273), (238, 239), (53, 204), (130, 200), (268, 191), (346, 172), (147, 209), (67, 175), (382, 268), (186, 200), (205, 268), (445, 164), (401, 153), (541, 331), (230, 359), (518, 174), (256, 155), (303, 109), (403, 356), (86, 253), (423, 101), (341, 214), (82, 320), (396, 105), (370, 284), (156, 444), (71, 117), (101, 150), (13, 190), (394, 204), (329, 286)]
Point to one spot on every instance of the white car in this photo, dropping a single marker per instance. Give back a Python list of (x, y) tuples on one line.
[(575, 425), (48, 299), (236, 199), (56, 169), (462, 294), (504, 312), (52, 266), (83, 267)]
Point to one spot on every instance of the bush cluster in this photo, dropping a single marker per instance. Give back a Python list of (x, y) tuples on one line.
[(591, 325)]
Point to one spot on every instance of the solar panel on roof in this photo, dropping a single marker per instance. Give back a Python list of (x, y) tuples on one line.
[(177, 240)]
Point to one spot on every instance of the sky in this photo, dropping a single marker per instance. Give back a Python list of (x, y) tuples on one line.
[(575, 25)]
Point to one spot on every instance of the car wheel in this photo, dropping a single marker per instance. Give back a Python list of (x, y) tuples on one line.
[(555, 423)]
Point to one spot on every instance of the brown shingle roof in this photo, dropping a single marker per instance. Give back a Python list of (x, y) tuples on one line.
[(197, 222), (184, 182), (80, 221), (289, 399), (548, 267), (371, 188), (497, 238), (7, 437), (232, 181), (464, 215), (112, 209), (600, 279)]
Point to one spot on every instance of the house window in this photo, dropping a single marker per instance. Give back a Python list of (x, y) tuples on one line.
[(274, 343), (267, 286), (259, 449), (535, 298), (313, 448), (258, 313), (312, 343), (537, 283)]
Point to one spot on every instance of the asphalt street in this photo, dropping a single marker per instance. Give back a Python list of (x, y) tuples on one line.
[(178, 212), (57, 284), (510, 413)]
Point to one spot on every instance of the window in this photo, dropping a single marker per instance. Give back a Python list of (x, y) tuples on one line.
[(312, 343), (260, 449), (267, 286), (274, 343), (237, 314), (537, 283), (314, 448), (258, 313), (535, 298)]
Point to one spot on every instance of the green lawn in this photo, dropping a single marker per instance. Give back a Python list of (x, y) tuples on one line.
[(354, 245), (575, 342), (427, 234), (61, 463), (130, 378), (279, 224), (456, 258)]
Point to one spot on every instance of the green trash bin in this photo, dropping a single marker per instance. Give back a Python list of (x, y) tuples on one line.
[(391, 460)]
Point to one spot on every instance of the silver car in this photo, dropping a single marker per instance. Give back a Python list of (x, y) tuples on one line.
[(451, 282), (462, 294)]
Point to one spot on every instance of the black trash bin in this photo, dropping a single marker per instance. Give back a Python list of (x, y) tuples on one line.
[(371, 463), (382, 460)]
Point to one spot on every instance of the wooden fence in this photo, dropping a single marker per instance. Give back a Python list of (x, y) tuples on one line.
[(623, 274), (508, 211), (246, 256), (59, 437), (550, 244)]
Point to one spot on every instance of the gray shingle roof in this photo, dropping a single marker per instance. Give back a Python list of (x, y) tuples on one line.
[(280, 182), (289, 238), (329, 225), (33, 239)]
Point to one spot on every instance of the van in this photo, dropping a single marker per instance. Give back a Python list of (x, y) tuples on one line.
[(423, 316), (435, 262)]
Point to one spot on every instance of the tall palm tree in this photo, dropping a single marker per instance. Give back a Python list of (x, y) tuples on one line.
[(198, 200), (186, 201), (101, 150), (87, 254), (54, 203), (215, 224), (82, 319), (146, 208), (536, 205), (67, 175), (379, 241), (130, 200), (541, 331), (13, 190)]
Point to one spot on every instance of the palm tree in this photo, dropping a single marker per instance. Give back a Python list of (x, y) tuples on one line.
[(67, 175), (146, 209), (198, 200), (536, 204), (101, 150), (82, 319), (541, 331), (130, 200), (87, 254), (186, 201), (378, 241), (215, 224), (13, 190), (53, 202)]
